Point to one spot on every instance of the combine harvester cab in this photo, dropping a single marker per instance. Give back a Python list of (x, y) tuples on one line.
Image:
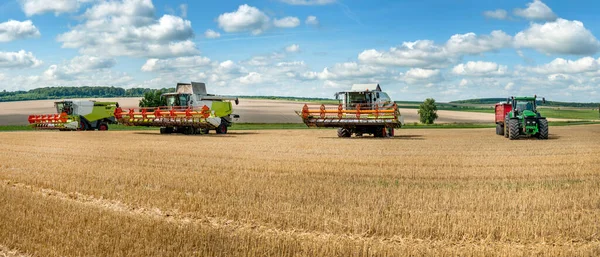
[(519, 117), (77, 115), (363, 110), (190, 110)]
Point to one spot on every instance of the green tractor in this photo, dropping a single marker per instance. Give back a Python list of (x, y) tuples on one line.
[(77, 115), (519, 117)]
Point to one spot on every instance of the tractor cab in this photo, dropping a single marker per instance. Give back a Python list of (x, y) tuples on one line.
[(365, 95), (525, 106)]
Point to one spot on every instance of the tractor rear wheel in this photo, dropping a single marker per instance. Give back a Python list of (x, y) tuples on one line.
[(500, 129), (103, 126), (513, 129), (543, 129), (204, 131), (344, 132)]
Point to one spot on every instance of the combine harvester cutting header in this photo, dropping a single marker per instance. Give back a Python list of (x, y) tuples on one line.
[(519, 116), (77, 115), (190, 110), (363, 110)]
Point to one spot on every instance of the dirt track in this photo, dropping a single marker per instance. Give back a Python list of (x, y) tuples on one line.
[(250, 111)]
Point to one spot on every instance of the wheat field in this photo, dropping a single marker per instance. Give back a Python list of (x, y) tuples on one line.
[(464, 192)]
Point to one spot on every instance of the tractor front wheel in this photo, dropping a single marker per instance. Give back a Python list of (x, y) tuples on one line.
[(543, 128), (513, 129), (103, 126)]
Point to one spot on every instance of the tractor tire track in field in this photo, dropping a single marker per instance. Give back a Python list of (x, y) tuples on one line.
[(235, 227)]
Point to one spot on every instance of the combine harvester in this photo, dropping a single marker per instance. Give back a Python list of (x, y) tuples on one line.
[(365, 109), (190, 110), (519, 116), (77, 115)]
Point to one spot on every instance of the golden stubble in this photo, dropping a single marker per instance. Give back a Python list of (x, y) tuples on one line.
[(301, 192)]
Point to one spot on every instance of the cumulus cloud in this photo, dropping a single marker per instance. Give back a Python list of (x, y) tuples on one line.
[(86, 63), (287, 22), (498, 14), (20, 59), (427, 54), (251, 78), (35, 7), (176, 63), (479, 68), (245, 18), (308, 2), (13, 30), (537, 11), (312, 21), (509, 86), (129, 28), (421, 53), (559, 37), (292, 48), (212, 34), (422, 76), (470, 43), (560, 65)]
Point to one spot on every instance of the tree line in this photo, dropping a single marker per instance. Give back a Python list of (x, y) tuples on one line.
[(76, 92)]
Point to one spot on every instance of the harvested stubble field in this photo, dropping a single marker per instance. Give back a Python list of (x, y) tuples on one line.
[(300, 192)]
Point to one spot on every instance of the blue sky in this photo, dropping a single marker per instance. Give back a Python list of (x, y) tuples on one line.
[(415, 49)]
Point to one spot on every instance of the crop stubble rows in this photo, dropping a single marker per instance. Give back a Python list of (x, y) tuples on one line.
[(300, 192)]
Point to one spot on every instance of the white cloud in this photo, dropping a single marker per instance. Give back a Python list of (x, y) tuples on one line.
[(470, 43), (129, 28), (559, 37), (13, 30), (509, 86), (312, 20), (421, 53), (212, 34), (176, 63), (34, 7), (537, 11), (245, 18), (308, 2), (498, 14), (292, 48), (463, 83), (422, 76), (287, 22), (20, 59), (251, 78), (86, 63), (560, 65), (479, 68), (427, 54)]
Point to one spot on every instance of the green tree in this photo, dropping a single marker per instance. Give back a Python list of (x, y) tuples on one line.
[(152, 99), (428, 111)]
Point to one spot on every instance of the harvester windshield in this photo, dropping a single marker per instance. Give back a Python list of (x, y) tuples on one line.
[(177, 99), (66, 107)]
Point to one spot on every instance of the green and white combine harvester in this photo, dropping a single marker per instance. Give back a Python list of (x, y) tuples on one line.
[(365, 109), (519, 117), (190, 110), (77, 115)]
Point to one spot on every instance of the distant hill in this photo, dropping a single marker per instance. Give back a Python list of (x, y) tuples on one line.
[(539, 102)]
